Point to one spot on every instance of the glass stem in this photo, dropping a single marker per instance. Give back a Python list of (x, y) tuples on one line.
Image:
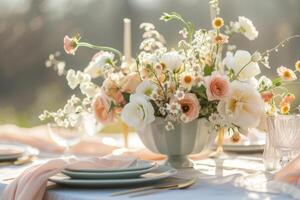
[(125, 130), (67, 152), (220, 140)]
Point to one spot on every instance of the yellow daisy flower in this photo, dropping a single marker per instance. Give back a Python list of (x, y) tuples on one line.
[(285, 109), (218, 22), (297, 65)]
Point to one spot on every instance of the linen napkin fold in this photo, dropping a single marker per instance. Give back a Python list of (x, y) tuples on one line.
[(32, 183)]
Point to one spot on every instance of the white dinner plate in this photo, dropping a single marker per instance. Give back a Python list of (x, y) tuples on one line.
[(253, 142), (244, 148), (138, 165), (108, 175), (160, 173)]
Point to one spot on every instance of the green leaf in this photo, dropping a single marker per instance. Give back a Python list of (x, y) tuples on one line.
[(126, 96), (208, 70), (277, 81), (199, 91), (112, 106), (166, 17)]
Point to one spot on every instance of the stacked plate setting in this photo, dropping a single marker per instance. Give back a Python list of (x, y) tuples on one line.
[(12, 152), (141, 172)]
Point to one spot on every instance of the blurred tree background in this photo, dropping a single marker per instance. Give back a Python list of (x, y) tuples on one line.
[(32, 29)]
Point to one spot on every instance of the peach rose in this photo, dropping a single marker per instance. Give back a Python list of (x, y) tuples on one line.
[(130, 82), (190, 106), (267, 96), (101, 107), (111, 89), (217, 86), (70, 45)]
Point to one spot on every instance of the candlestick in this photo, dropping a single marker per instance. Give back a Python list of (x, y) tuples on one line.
[(127, 41), (213, 13)]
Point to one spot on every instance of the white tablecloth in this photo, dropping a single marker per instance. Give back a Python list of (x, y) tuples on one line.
[(214, 183)]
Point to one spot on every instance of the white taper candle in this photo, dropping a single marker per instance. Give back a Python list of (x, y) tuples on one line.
[(127, 41)]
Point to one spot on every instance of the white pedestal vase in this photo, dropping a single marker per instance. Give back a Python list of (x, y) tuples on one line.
[(176, 144)]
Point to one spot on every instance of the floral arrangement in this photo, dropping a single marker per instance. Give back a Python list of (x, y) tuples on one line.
[(203, 77)]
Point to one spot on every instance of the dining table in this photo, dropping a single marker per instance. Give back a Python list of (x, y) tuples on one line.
[(217, 178)]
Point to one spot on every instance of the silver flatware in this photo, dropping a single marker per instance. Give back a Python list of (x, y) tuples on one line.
[(176, 183)]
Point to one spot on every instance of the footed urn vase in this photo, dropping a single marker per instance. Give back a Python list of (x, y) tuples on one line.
[(178, 143)]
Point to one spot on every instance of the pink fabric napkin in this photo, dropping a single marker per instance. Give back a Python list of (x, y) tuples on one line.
[(32, 183), (39, 138), (290, 173)]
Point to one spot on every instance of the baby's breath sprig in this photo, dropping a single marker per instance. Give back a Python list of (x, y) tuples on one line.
[(215, 5), (56, 64), (280, 44)]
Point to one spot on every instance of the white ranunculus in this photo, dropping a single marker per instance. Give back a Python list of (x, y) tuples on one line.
[(247, 28), (173, 60), (72, 79), (238, 61), (138, 112), (95, 67), (244, 107), (146, 88)]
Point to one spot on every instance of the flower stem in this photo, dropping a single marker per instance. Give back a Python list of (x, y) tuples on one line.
[(159, 83), (237, 74), (85, 44)]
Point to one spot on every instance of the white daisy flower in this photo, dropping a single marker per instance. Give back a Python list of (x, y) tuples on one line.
[(187, 81)]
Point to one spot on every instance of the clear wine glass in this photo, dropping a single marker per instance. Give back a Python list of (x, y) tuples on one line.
[(67, 136), (285, 133)]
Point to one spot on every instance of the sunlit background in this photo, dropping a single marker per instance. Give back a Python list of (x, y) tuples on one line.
[(32, 29)]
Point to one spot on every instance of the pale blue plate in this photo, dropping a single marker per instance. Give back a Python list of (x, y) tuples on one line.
[(160, 173), (138, 165), (108, 175), (10, 151)]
